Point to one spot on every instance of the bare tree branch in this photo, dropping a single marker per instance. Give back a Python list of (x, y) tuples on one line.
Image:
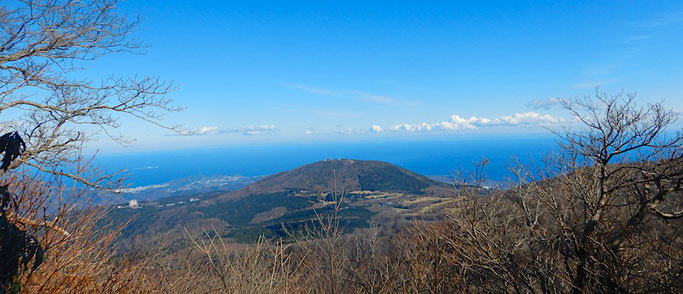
[(42, 43)]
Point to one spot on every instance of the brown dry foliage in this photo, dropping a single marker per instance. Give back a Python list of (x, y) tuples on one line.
[(79, 253)]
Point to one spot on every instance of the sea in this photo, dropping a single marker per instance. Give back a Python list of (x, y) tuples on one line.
[(441, 157)]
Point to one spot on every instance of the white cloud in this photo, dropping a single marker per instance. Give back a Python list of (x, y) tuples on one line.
[(313, 90), (258, 130), (206, 130), (376, 129), (544, 103), (413, 127), (361, 95), (350, 131), (201, 131), (147, 167), (251, 130), (522, 119), (457, 122)]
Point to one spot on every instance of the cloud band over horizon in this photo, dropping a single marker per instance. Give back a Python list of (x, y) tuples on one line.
[(457, 122)]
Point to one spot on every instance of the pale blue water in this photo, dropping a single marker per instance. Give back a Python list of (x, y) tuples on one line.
[(425, 157)]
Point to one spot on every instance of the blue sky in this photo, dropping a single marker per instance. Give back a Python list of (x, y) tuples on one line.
[(300, 71)]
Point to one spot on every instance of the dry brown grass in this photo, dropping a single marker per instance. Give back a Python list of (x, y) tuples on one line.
[(213, 266), (79, 254)]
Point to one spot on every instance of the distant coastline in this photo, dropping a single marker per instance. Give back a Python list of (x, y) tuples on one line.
[(434, 158)]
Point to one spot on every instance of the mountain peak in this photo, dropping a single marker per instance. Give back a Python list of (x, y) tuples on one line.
[(346, 175)]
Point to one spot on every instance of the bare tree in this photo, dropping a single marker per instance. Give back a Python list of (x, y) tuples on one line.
[(43, 45), (602, 214), (45, 48), (626, 176)]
